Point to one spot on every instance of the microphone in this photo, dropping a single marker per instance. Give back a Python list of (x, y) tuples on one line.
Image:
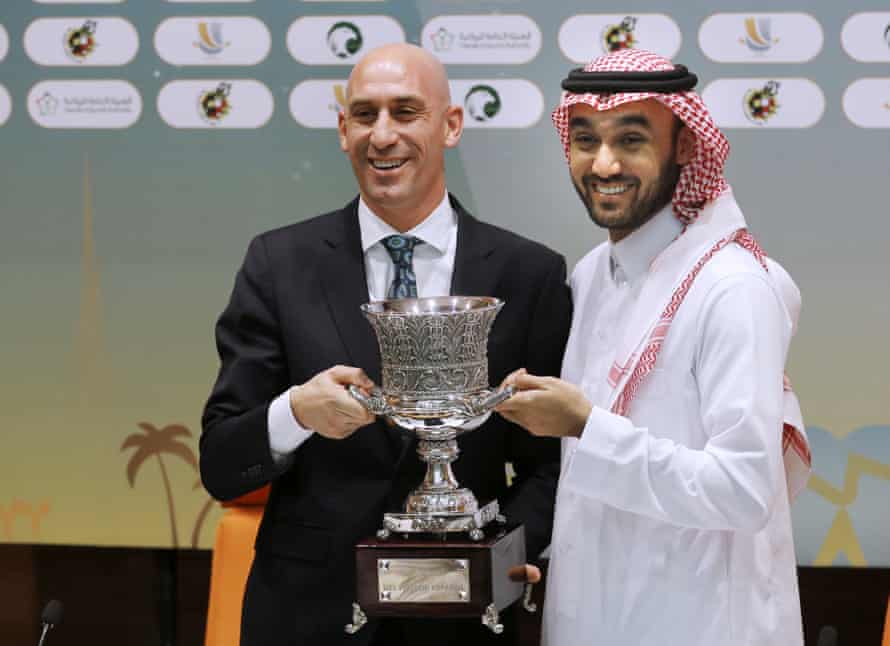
[(51, 617), (827, 636)]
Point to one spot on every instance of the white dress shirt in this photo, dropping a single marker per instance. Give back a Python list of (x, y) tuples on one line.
[(672, 525), (433, 266)]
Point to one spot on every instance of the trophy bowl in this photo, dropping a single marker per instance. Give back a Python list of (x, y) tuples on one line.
[(434, 357)]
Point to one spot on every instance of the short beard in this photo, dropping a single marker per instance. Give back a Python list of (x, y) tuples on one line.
[(644, 207)]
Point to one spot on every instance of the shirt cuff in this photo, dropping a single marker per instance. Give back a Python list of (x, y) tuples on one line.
[(593, 456), (285, 432)]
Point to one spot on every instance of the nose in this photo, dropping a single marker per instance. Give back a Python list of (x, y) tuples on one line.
[(605, 162), (383, 134)]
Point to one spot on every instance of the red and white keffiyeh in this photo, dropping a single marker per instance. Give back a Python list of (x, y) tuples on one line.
[(702, 178), (701, 181)]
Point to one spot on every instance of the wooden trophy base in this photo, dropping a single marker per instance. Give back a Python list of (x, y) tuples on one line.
[(433, 576)]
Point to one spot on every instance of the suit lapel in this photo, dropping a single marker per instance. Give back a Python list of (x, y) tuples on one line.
[(472, 275), (346, 290)]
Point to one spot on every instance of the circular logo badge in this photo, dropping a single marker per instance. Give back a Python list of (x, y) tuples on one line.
[(621, 36), (761, 103), (482, 102), (214, 104), (80, 42), (344, 39)]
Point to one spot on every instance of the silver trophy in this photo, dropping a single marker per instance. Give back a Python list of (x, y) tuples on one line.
[(434, 354)]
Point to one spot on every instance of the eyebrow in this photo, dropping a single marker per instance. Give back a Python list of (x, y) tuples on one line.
[(634, 120), (407, 98), (623, 122)]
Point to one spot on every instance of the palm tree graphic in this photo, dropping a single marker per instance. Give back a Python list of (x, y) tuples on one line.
[(156, 442), (841, 537)]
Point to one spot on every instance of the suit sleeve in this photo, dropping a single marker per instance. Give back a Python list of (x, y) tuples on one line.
[(536, 460), (235, 457)]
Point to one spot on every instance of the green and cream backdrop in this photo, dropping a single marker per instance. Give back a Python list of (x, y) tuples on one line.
[(145, 141)]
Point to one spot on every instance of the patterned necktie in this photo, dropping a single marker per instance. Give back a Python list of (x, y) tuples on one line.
[(401, 250)]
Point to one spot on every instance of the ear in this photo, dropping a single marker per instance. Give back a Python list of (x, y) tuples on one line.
[(454, 125), (341, 130), (685, 149)]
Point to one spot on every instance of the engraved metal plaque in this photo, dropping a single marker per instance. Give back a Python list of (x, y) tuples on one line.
[(423, 580)]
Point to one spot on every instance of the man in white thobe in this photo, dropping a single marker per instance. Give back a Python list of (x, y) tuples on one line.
[(683, 443)]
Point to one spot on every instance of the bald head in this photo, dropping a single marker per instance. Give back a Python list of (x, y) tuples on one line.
[(396, 124), (403, 60)]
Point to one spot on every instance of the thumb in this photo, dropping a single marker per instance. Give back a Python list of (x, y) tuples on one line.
[(510, 379), (518, 403), (345, 375), (526, 381)]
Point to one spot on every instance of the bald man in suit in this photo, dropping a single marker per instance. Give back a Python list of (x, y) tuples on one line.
[(293, 336)]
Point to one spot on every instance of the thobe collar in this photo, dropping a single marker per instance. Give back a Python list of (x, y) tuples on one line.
[(630, 258), (435, 229)]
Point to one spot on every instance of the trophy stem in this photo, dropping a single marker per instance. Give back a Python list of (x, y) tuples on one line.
[(440, 493), (438, 456)]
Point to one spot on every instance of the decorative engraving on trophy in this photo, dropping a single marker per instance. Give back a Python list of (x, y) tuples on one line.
[(423, 580), (428, 524), (431, 354)]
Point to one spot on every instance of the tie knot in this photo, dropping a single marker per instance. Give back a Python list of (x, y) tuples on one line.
[(401, 250), (400, 247)]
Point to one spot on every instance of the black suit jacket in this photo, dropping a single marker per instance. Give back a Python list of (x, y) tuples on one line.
[(294, 312)]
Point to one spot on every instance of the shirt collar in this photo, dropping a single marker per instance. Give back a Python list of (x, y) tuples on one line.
[(631, 257), (435, 229)]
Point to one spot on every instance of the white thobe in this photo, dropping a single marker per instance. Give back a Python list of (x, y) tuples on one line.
[(673, 524)]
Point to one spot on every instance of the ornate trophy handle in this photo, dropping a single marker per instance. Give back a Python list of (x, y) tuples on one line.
[(376, 403), (485, 403)]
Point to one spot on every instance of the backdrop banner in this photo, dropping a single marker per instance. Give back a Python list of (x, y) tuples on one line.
[(146, 142)]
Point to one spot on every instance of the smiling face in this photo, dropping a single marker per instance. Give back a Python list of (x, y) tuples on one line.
[(395, 127), (625, 162)]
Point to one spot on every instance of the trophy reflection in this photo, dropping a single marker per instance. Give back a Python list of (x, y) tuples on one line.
[(444, 555)]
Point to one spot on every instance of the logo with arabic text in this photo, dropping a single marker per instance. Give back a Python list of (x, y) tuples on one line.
[(47, 104), (442, 40)]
